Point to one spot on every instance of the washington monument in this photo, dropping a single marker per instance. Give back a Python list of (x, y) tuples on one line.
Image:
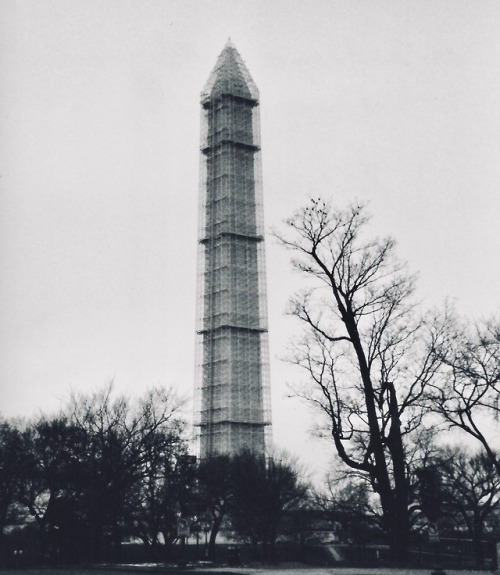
[(232, 389)]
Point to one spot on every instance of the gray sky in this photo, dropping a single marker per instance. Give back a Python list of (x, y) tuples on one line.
[(391, 102)]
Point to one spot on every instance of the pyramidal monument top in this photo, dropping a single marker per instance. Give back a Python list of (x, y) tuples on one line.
[(230, 76)]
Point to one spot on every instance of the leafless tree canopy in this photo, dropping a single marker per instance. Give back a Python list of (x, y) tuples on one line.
[(467, 393)]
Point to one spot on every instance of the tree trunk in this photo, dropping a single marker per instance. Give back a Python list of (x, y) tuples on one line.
[(394, 501), (399, 537), (477, 536), (213, 536), (117, 543), (400, 523), (97, 542)]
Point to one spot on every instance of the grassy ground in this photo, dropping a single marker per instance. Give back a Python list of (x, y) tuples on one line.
[(278, 570)]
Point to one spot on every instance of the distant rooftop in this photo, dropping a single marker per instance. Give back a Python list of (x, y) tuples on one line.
[(230, 76)]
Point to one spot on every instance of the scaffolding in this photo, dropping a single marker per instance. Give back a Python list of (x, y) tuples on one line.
[(232, 396)]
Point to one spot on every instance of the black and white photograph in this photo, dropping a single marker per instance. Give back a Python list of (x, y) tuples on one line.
[(249, 300)]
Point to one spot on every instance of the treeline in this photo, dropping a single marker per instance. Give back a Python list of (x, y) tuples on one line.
[(108, 470), (76, 486)]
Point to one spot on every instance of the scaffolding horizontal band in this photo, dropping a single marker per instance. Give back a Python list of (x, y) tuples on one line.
[(236, 144), (208, 103), (232, 327), (207, 239), (233, 422)]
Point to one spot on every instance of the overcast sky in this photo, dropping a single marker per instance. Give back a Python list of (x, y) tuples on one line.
[(396, 103)]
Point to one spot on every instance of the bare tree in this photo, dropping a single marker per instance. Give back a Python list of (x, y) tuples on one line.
[(52, 489), (263, 489), (467, 395), (12, 471), (131, 457), (471, 492), (363, 348), (159, 449), (215, 493)]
